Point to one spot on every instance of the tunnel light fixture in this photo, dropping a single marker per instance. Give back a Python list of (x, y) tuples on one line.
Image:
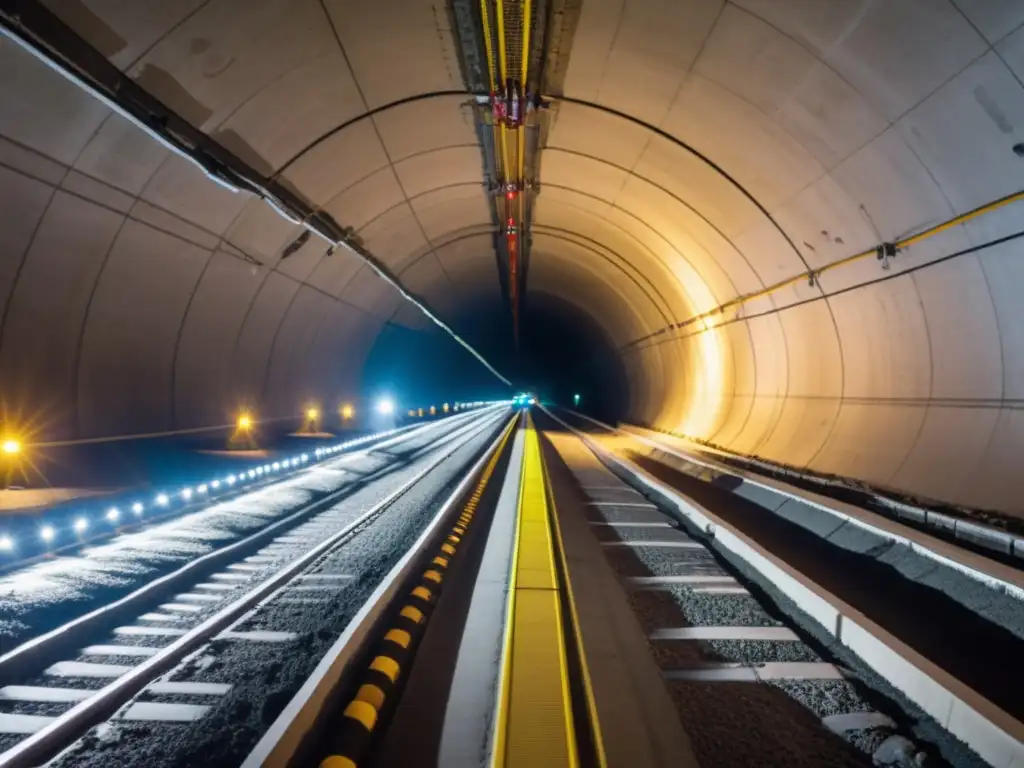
[(575, 399), (6, 544), (385, 406), (48, 533), (347, 411), (11, 446), (244, 422), (312, 414)]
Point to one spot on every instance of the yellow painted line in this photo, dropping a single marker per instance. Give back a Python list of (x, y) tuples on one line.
[(534, 719), (588, 688)]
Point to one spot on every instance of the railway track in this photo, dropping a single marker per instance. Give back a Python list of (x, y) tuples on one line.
[(41, 593), (712, 635), (873, 628), (133, 662)]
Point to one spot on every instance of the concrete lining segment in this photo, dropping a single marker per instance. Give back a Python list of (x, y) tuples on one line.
[(783, 634), (990, 732), (637, 718), (165, 712), (168, 631), (86, 669), (657, 544), (186, 688), (739, 673), (23, 724), (119, 650), (466, 738)]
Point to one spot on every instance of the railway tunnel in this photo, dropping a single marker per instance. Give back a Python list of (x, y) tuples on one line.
[(745, 252), (696, 176)]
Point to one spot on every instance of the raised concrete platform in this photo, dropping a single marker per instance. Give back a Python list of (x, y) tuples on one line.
[(638, 720)]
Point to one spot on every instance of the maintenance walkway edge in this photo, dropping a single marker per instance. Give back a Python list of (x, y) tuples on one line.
[(534, 723)]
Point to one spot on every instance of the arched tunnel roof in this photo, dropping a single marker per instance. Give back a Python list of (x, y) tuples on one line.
[(696, 151)]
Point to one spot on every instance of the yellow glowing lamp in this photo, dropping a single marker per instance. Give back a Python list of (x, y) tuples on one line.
[(419, 413), (347, 411), (312, 414), (245, 422), (445, 407), (433, 411), (11, 446)]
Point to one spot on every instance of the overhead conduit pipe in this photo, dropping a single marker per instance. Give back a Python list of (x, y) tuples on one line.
[(882, 252)]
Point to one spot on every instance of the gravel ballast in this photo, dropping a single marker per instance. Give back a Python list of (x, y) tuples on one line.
[(264, 676)]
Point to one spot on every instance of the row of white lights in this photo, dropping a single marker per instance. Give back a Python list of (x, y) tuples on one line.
[(48, 533)]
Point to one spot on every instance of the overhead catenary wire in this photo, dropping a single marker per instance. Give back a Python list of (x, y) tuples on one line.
[(815, 274), (848, 289)]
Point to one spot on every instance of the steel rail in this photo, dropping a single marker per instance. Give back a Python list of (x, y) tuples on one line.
[(289, 734), (75, 722)]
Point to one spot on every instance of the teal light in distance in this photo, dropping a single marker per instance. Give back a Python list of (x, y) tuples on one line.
[(575, 399)]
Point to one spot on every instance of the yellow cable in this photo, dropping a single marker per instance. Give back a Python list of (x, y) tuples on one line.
[(527, 6), (501, 41), (484, 16), (588, 686), (505, 691), (522, 84), (870, 254)]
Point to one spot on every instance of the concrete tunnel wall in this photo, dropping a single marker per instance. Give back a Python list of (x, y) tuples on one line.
[(130, 291)]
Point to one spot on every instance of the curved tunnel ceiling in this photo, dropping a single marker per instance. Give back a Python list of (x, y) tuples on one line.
[(698, 151)]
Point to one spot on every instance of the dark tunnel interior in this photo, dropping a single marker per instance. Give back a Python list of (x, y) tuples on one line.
[(561, 352)]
